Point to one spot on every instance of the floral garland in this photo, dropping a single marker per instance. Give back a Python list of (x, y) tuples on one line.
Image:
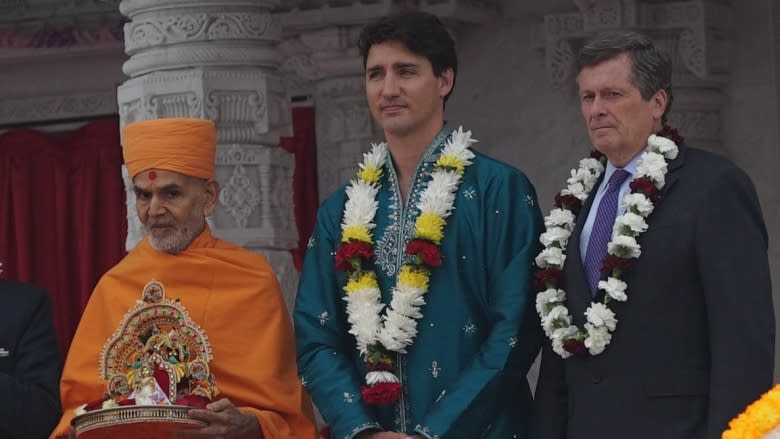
[(759, 419), (623, 248), (377, 335)]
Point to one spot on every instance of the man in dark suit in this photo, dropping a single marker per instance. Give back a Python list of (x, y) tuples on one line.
[(660, 323), (29, 363)]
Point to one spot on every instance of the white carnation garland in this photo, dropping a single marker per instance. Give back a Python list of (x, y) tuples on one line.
[(550, 301)]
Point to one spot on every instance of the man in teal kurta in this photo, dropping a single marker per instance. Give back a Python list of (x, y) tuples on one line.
[(463, 375)]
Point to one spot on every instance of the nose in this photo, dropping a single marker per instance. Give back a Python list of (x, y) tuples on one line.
[(156, 207), (597, 108), (390, 86)]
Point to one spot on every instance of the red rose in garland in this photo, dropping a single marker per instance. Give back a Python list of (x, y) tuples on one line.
[(350, 254), (381, 393), (575, 347), (672, 134), (546, 278), (645, 186), (427, 252), (569, 202), (612, 262)]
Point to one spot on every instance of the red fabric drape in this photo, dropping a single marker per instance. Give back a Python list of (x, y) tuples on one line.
[(62, 213), (303, 145)]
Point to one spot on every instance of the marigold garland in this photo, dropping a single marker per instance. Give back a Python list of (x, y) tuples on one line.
[(759, 418), (430, 227), (379, 335), (365, 280), (414, 277), (357, 234)]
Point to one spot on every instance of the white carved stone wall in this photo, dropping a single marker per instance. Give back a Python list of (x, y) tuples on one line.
[(23, 14), (83, 87), (219, 61), (751, 115), (346, 130), (694, 32), (76, 39), (328, 60), (322, 59), (505, 95)]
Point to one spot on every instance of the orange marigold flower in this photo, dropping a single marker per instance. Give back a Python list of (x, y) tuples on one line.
[(758, 419)]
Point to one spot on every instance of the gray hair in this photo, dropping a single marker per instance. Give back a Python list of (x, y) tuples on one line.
[(651, 67)]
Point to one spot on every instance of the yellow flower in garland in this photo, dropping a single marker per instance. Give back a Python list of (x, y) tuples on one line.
[(359, 233), (370, 174), (361, 281), (414, 277), (451, 162), (760, 418), (430, 226)]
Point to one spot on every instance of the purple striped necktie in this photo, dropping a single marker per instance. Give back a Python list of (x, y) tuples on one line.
[(602, 228)]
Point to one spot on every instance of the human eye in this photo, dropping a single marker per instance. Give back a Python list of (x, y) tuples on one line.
[(373, 75), (586, 97), (142, 195), (407, 72), (172, 193)]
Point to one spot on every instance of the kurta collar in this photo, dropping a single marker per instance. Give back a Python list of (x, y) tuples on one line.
[(431, 153), (630, 167)]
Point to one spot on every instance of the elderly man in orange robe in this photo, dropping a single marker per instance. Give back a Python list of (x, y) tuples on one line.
[(230, 292)]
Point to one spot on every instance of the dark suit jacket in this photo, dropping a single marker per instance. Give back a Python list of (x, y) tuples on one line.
[(29, 363), (694, 343)]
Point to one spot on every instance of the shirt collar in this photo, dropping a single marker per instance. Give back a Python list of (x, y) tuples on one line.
[(630, 167)]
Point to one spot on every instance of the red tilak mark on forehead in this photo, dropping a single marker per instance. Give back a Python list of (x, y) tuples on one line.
[(152, 175)]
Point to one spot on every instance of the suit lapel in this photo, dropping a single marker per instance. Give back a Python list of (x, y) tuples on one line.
[(672, 175)]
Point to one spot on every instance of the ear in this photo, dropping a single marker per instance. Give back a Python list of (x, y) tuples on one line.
[(659, 101), (211, 188), (446, 80)]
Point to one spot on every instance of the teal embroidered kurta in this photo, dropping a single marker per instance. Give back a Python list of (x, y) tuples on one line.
[(464, 376)]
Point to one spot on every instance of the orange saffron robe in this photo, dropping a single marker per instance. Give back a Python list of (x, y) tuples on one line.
[(234, 296)]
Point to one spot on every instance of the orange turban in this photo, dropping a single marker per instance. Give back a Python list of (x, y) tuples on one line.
[(186, 146)]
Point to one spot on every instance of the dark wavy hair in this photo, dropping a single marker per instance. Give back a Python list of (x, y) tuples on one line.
[(651, 67), (422, 33)]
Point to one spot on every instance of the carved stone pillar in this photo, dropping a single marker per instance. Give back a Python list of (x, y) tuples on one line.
[(219, 61), (321, 50), (694, 33), (328, 60)]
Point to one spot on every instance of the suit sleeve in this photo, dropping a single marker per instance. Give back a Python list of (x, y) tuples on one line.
[(325, 350), (731, 246), (498, 373), (30, 406), (550, 400)]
